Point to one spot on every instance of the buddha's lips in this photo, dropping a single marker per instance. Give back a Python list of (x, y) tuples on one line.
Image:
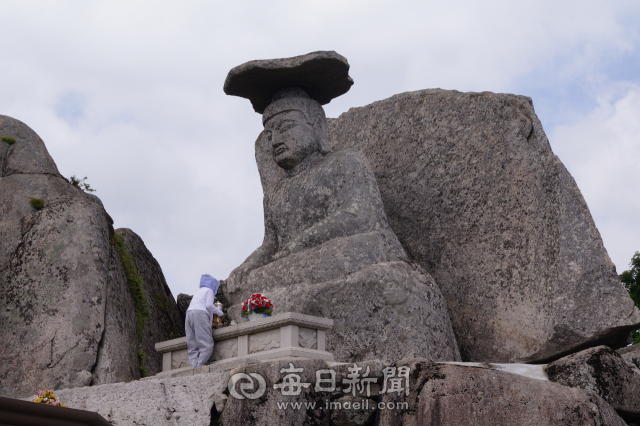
[(279, 150)]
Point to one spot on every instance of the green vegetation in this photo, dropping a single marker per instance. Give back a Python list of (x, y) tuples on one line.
[(8, 140), (135, 285), (631, 281), (36, 203), (144, 371), (137, 293), (81, 184)]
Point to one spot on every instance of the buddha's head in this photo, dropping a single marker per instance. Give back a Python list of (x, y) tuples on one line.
[(295, 126)]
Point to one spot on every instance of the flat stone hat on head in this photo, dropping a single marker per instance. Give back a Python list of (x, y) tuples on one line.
[(322, 76)]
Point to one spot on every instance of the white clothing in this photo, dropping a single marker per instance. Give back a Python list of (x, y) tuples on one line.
[(203, 301), (197, 327)]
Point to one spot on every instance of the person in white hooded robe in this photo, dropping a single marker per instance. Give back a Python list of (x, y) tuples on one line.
[(198, 321)]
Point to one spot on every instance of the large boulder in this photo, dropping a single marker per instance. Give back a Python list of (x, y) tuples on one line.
[(476, 196), (631, 354), (183, 301), (163, 321), (272, 393), (269, 408), (604, 372), (438, 394), (67, 316), (456, 395), (65, 311), (167, 402)]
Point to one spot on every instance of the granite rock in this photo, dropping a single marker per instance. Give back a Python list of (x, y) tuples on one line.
[(324, 75), (67, 317), (474, 193), (268, 409), (183, 302), (163, 321), (438, 394), (456, 395), (27, 155), (117, 357), (348, 416), (55, 291), (631, 354), (167, 402), (604, 372)]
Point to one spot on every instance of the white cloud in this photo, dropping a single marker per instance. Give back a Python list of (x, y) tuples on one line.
[(130, 94)]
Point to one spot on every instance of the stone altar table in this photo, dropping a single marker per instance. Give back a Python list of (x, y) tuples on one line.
[(282, 335)]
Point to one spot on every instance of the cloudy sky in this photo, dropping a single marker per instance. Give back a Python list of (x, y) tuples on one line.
[(130, 95)]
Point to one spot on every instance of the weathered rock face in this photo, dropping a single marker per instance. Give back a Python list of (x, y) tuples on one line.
[(265, 410), (64, 303), (163, 320), (438, 394), (67, 316), (117, 358), (604, 372), (179, 401), (455, 395), (183, 302), (476, 196), (28, 155), (631, 355)]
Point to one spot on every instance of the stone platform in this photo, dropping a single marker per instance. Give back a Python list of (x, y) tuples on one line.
[(289, 334)]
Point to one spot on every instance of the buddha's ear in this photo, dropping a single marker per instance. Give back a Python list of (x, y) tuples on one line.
[(319, 123)]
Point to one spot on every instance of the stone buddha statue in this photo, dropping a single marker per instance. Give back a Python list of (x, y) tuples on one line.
[(328, 249)]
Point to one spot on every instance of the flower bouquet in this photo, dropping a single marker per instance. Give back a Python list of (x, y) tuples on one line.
[(257, 304), (47, 397)]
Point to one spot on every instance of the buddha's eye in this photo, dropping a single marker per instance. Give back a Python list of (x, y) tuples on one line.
[(287, 127)]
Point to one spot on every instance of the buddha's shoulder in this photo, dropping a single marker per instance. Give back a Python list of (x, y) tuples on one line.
[(349, 157)]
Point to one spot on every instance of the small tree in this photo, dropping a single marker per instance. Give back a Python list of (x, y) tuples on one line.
[(81, 184), (631, 281)]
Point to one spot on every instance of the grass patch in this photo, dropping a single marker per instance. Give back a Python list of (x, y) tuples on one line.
[(36, 203), (81, 184), (8, 140), (144, 371), (135, 286)]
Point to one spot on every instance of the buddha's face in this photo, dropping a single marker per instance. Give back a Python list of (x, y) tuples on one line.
[(292, 138)]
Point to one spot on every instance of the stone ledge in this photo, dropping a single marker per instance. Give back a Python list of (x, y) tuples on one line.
[(231, 363), (276, 321), (289, 334)]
